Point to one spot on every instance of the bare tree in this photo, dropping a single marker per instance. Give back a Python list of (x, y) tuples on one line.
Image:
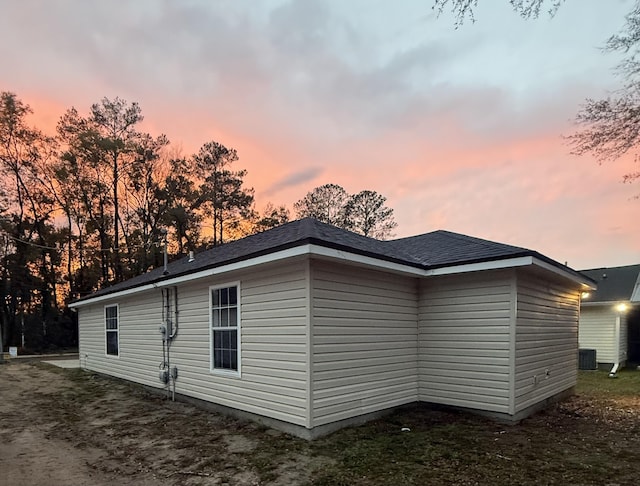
[(324, 203), (365, 213), (221, 189), (271, 217), (465, 9), (607, 128), (610, 128), (116, 121), (29, 253), (182, 201)]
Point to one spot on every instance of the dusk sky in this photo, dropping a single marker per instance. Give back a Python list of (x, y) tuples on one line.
[(461, 129)]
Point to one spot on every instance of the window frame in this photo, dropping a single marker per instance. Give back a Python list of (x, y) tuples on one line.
[(237, 373), (107, 331)]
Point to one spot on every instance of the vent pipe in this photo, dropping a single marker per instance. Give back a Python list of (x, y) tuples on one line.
[(165, 251), (192, 256)]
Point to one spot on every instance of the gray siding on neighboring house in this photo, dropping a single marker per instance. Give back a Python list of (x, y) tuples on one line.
[(274, 318), (546, 360), (464, 340), (597, 331), (139, 317), (364, 341)]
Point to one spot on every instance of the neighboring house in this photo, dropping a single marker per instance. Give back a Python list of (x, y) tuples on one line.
[(308, 327), (610, 316)]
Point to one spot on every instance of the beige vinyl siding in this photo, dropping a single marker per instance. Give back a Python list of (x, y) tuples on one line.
[(140, 346), (273, 309), (464, 340), (546, 339), (273, 343), (364, 341), (597, 331)]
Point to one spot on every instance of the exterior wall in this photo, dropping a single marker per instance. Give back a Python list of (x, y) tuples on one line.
[(273, 352), (598, 330), (140, 346), (546, 348), (364, 341), (323, 343), (465, 326)]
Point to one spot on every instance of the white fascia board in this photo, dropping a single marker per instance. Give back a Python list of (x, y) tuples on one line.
[(511, 263), (586, 283), (101, 298), (308, 249), (321, 251), (271, 257), (476, 267), (241, 265), (347, 256)]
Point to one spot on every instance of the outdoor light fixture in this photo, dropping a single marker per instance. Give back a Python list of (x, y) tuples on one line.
[(585, 295), (621, 307)]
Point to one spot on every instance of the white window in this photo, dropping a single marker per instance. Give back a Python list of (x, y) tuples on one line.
[(225, 329), (111, 329)]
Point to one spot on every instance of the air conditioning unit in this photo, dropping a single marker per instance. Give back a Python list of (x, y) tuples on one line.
[(587, 359)]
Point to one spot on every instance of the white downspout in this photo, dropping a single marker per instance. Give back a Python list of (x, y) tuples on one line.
[(616, 364)]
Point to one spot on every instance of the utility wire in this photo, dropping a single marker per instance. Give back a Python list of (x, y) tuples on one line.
[(8, 236), (87, 250)]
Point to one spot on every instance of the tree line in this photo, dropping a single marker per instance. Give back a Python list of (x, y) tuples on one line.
[(96, 203)]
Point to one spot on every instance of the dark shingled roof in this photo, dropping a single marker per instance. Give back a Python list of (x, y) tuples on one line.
[(444, 248), (427, 251), (614, 284)]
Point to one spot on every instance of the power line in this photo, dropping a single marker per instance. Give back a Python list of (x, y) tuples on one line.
[(9, 237), (87, 250)]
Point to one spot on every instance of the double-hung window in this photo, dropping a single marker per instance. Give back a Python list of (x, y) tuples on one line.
[(225, 329), (112, 330)]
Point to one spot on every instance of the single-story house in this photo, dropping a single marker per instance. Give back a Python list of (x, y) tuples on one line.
[(610, 316), (308, 327)]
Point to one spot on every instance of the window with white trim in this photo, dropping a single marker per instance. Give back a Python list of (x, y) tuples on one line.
[(112, 330), (225, 328)]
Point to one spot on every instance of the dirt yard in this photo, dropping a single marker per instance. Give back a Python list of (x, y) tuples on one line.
[(69, 427)]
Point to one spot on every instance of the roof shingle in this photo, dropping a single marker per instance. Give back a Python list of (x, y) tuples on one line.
[(614, 283), (426, 251)]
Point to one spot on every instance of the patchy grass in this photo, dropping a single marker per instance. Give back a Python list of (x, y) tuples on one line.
[(592, 438), (599, 385)]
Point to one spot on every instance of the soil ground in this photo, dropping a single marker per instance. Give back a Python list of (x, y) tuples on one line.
[(70, 427)]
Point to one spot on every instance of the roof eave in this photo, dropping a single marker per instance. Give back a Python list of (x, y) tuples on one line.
[(516, 260), (308, 246), (322, 249), (161, 280)]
